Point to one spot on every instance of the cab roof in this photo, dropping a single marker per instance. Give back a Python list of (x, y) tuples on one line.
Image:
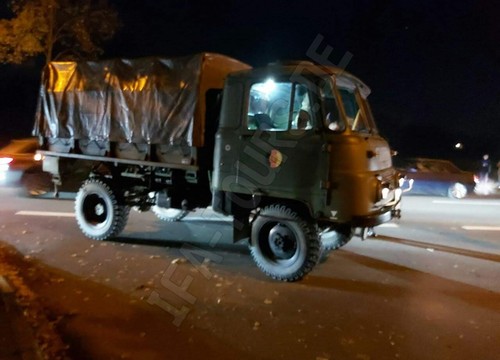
[(297, 69)]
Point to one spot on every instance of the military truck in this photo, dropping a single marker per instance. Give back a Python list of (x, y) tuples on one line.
[(290, 150)]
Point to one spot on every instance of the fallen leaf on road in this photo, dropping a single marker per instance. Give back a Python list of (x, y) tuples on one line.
[(179, 261)]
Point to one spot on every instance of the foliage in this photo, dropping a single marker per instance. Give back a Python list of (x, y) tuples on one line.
[(56, 29)]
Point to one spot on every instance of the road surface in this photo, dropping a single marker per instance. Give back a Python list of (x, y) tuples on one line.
[(426, 287)]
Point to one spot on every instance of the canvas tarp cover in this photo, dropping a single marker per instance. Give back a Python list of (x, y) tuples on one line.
[(148, 100)]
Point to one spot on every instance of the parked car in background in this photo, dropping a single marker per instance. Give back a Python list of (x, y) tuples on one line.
[(20, 165), (435, 177)]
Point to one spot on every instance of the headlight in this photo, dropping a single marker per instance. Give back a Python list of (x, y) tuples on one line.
[(383, 189), (402, 179), (385, 192), (5, 160)]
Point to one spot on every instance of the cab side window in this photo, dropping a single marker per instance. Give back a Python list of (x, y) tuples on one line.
[(269, 106)]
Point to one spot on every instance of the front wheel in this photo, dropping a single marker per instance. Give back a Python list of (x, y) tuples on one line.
[(97, 211), (457, 191), (336, 238), (284, 245)]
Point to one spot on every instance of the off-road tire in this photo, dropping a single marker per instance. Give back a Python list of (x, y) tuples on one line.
[(280, 224), (169, 214), (335, 240), (98, 213)]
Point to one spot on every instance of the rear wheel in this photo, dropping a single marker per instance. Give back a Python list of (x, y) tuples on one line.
[(98, 213), (284, 245)]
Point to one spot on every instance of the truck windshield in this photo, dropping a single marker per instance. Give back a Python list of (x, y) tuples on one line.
[(355, 107)]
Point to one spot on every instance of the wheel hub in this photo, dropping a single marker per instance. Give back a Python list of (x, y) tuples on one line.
[(99, 209), (282, 242)]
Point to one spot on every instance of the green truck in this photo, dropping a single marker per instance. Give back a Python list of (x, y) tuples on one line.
[(290, 150)]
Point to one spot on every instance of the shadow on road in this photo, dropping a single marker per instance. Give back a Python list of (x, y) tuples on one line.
[(364, 287), (238, 248), (443, 248)]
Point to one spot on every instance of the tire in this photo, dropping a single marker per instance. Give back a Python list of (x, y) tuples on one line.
[(98, 213), (457, 191), (337, 238), (169, 214), (333, 240), (283, 245)]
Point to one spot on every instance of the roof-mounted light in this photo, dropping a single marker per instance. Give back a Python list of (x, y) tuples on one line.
[(265, 88)]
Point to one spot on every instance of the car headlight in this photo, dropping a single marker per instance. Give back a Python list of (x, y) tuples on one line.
[(6, 161)]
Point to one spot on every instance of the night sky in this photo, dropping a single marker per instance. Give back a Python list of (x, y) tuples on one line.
[(433, 66)]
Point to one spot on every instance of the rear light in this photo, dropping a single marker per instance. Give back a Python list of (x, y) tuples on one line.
[(5, 160)]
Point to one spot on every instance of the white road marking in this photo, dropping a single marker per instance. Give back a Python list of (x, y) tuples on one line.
[(45, 213), (466, 202), (481, 228)]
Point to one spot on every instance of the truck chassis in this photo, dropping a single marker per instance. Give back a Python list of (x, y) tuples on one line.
[(284, 243)]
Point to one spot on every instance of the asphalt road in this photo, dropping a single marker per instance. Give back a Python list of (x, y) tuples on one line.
[(426, 287)]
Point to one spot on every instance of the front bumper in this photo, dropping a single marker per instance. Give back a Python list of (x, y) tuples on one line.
[(384, 212), (382, 216)]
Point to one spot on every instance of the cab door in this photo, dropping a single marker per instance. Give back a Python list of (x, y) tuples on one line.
[(282, 151)]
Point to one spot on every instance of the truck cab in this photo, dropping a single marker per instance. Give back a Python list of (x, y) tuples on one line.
[(301, 138)]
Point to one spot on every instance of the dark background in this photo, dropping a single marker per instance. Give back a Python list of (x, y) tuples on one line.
[(433, 66)]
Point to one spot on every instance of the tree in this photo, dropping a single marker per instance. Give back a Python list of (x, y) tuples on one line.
[(56, 29)]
